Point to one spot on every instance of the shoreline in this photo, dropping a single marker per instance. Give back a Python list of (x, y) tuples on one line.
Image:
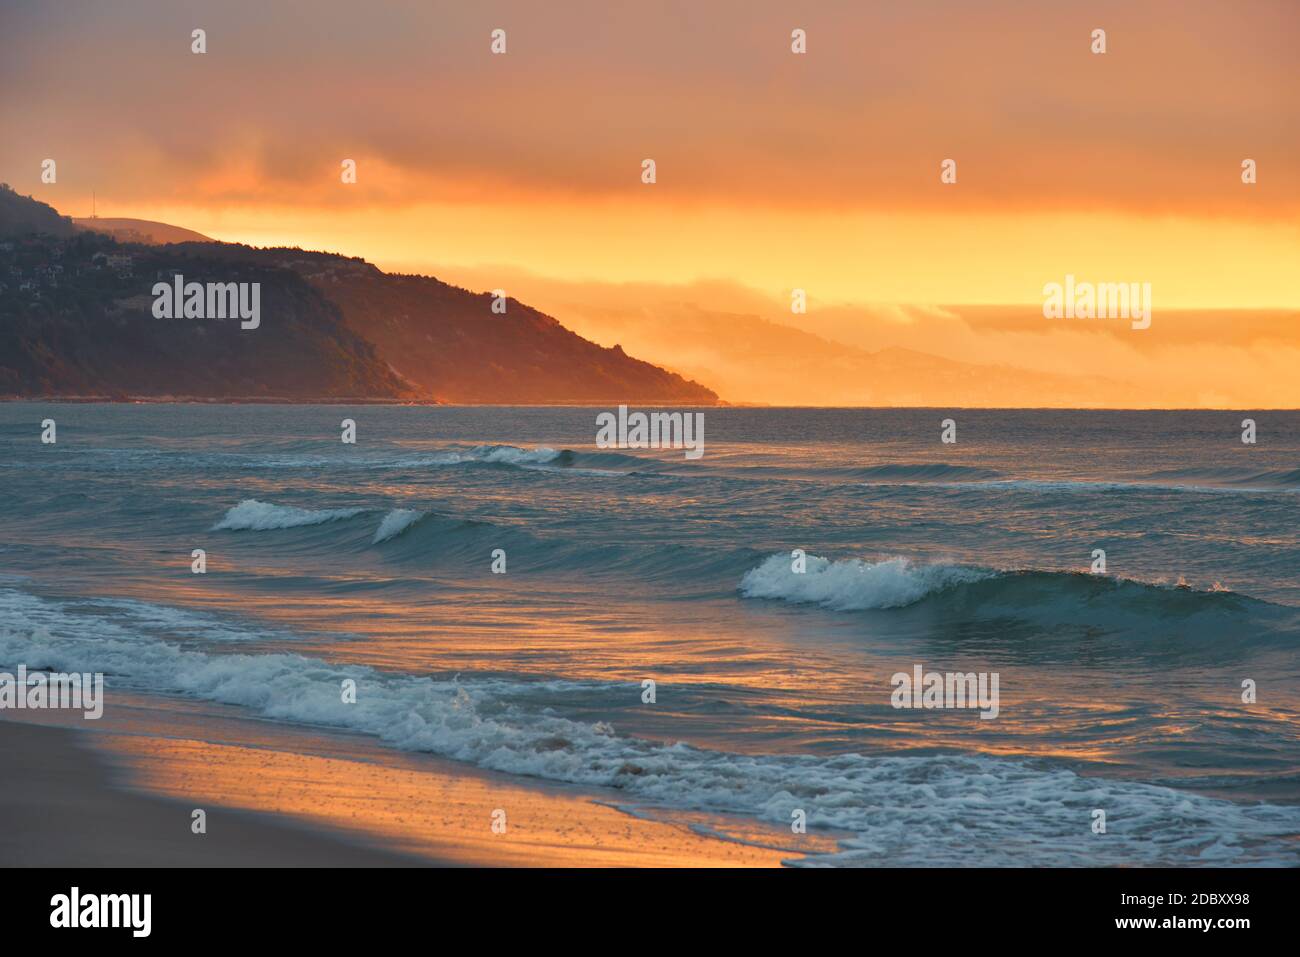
[(60, 808), (120, 792)]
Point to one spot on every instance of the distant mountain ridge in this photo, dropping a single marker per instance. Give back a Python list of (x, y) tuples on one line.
[(76, 320)]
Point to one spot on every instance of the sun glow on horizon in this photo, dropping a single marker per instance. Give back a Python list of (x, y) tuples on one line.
[(919, 258)]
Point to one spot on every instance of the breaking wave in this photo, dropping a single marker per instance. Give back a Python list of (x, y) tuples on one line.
[(852, 584), (396, 522), (1050, 597), (889, 804), (252, 515)]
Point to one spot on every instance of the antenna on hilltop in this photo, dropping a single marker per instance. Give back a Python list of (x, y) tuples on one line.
[(92, 205)]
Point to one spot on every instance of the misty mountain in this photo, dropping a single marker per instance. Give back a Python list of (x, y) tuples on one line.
[(747, 355)]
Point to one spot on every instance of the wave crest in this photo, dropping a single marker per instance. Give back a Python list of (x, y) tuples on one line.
[(1049, 602), (506, 455), (395, 522), (853, 584), (252, 515)]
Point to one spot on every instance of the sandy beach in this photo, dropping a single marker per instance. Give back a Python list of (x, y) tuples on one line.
[(121, 792), (62, 808)]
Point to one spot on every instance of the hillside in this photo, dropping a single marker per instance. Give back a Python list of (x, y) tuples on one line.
[(21, 215), (75, 322), (76, 319), (448, 340), (453, 348)]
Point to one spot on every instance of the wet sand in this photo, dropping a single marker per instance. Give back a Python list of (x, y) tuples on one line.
[(59, 807), (121, 791)]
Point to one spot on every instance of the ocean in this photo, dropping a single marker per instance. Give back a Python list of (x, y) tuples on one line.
[(717, 635)]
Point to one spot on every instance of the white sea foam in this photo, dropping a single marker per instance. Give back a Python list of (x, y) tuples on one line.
[(540, 459), (252, 515), (936, 810), (396, 522), (517, 456), (499, 454), (852, 584)]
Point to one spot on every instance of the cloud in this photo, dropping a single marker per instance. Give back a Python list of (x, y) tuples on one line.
[(710, 91)]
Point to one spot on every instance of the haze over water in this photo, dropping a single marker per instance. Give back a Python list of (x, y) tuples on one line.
[(1120, 691)]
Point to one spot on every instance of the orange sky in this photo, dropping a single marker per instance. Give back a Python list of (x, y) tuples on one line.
[(775, 170)]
